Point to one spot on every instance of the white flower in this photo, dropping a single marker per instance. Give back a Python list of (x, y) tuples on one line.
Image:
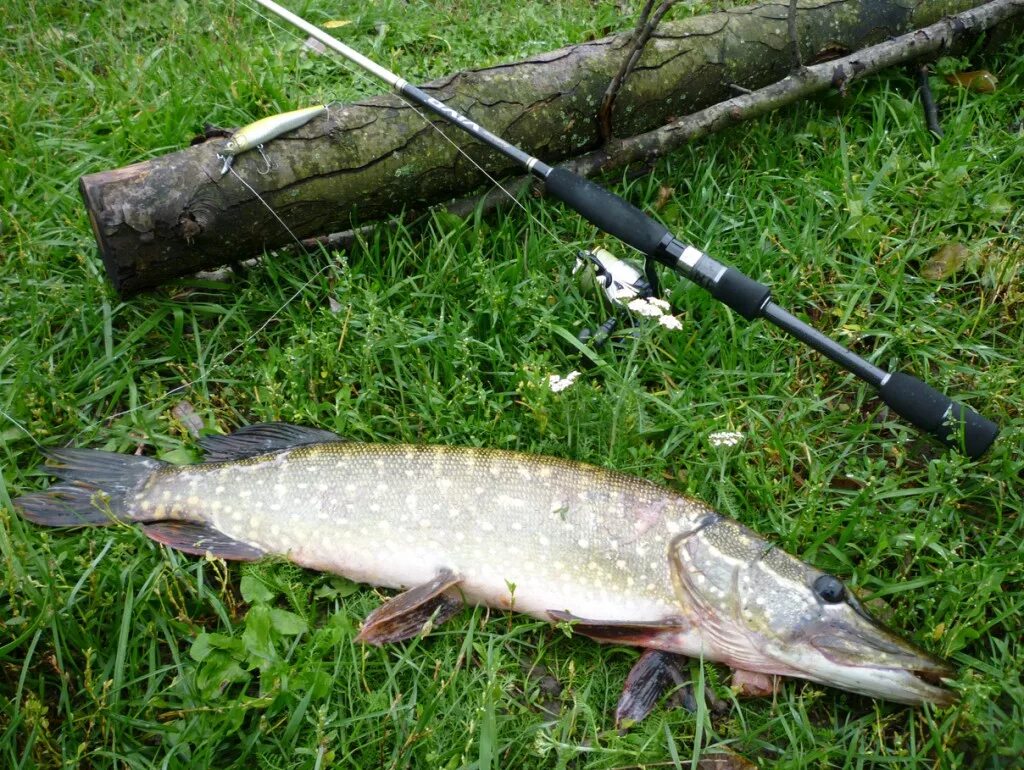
[(725, 438), (558, 383), (643, 307), (670, 322), (652, 307)]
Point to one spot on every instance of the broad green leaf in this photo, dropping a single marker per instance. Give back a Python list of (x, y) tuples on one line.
[(287, 623), (217, 672), (254, 590), (946, 261), (258, 633), (338, 588)]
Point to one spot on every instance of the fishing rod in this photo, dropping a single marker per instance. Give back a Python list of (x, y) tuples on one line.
[(950, 422)]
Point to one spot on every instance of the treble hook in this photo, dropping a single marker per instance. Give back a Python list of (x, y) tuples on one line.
[(266, 160), (263, 130), (230, 159)]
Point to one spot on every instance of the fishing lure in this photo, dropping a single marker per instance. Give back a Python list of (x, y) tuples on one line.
[(255, 135)]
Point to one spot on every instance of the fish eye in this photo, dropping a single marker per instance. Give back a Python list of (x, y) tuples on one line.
[(830, 589)]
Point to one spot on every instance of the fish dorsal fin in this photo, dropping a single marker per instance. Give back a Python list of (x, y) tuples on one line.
[(260, 439)]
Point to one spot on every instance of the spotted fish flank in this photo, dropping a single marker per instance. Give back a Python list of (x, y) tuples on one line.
[(618, 558)]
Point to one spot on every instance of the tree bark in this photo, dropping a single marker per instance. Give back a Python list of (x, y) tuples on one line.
[(175, 215), (949, 34)]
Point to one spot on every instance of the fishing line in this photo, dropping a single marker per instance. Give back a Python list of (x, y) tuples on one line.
[(361, 76), (23, 429), (259, 329), (217, 362), (365, 79), (927, 408), (269, 208)]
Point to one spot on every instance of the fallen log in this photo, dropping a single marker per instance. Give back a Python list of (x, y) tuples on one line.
[(175, 215)]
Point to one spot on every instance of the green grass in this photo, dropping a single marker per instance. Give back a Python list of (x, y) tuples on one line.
[(113, 651)]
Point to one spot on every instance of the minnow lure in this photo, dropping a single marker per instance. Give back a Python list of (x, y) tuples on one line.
[(255, 135)]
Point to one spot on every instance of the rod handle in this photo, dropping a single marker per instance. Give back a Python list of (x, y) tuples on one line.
[(744, 295), (949, 421), (609, 212)]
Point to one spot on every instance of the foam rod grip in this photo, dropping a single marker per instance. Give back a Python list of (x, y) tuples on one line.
[(952, 423), (606, 210)]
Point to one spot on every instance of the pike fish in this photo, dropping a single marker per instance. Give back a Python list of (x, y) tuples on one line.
[(621, 559)]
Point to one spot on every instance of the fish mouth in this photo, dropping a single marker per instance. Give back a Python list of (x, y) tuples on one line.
[(932, 689), (914, 687), (761, 609), (874, 661), (933, 678)]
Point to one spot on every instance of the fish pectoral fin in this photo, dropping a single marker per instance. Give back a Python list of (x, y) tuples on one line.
[(200, 539), (653, 675), (413, 612), (641, 633), (260, 439)]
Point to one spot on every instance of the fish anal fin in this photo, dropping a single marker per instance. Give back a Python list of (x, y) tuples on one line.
[(413, 612), (642, 633), (200, 539), (260, 439), (651, 677)]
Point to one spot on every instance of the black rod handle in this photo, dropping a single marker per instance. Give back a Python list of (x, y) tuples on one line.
[(919, 403), (606, 210), (952, 423), (949, 421)]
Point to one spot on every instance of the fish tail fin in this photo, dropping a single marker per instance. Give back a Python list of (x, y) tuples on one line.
[(93, 490)]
